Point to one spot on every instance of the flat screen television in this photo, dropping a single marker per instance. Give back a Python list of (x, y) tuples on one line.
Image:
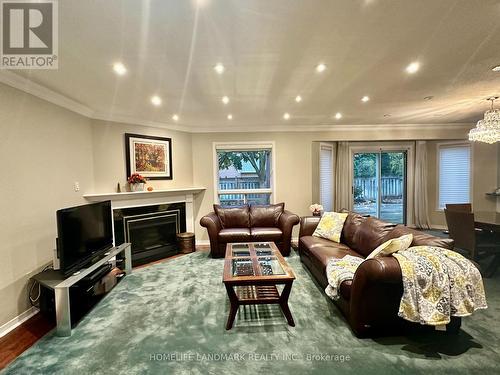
[(84, 233)]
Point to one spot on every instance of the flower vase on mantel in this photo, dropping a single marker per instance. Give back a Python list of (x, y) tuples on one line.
[(136, 182), (137, 187)]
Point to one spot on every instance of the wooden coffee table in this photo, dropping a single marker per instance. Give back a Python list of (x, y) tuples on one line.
[(251, 273)]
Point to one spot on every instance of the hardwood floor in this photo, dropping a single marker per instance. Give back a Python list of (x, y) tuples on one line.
[(21, 338), (13, 344)]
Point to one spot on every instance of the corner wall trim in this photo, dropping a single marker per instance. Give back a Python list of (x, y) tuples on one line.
[(24, 84), (18, 320)]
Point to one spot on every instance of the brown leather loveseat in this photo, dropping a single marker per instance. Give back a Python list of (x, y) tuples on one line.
[(370, 302), (254, 223)]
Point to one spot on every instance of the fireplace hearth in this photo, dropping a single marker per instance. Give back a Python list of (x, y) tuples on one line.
[(150, 229)]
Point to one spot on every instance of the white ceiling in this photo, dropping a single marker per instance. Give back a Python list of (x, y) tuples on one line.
[(270, 50)]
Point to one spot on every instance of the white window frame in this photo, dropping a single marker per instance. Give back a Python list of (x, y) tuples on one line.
[(438, 163), (330, 147), (245, 146)]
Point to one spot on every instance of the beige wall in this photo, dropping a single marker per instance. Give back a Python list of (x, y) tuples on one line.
[(44, 149), (485, 175), (53, 148), (293, 169), (296, 178), (109, 155)]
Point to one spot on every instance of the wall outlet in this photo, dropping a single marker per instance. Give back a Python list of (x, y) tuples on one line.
[(77, 186)]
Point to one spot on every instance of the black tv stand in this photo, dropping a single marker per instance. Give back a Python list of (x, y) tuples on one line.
[(97, 274), (55, 281)]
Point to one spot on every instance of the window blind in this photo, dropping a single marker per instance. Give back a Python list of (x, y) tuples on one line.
[(326, 177), (454, 174)]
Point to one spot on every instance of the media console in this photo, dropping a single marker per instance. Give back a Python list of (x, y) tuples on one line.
[(55, 281)]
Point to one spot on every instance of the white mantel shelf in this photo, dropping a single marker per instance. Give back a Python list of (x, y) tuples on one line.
[(155, 197), (142, 194)]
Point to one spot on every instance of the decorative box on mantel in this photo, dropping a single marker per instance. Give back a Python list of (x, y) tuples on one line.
[(150, 220)]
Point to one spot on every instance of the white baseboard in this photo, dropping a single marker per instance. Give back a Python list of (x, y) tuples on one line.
[(18, 320)]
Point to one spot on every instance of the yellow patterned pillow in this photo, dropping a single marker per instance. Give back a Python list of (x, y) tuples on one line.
[(391, 246), (330, 226)]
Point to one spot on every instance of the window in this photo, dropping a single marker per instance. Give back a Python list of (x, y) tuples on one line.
[(453, 174), (244, 174), (326, 176)]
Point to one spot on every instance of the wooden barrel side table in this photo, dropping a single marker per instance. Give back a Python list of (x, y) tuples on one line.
[(186, 242)]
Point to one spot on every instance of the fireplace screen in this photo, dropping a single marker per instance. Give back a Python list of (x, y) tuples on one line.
[(151, 231)]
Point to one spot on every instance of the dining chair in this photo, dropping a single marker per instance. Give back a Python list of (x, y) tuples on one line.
[(463, 207), (478, 244)]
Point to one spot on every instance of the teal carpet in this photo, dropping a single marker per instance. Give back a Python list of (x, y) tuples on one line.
[(169, 319)]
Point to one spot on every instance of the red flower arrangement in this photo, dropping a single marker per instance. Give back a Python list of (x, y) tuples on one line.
[(136, 178)]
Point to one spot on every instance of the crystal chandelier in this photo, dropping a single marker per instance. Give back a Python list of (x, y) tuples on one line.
[(488, 129)]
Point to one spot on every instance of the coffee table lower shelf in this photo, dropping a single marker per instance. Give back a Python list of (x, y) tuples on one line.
[(258, 295)]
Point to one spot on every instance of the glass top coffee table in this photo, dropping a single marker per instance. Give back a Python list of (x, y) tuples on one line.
[(251, 273)]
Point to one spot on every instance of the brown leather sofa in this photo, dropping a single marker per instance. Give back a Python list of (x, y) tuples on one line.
[(370, 302), (254, 223)]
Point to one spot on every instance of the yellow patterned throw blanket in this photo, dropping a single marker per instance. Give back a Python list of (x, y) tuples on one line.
[(338, 271), (438, 283)]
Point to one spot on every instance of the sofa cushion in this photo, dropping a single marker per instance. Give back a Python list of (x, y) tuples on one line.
[(313, 241), (234, 235), (330, 226), (420, 238), (266, 234), (351, 226), (370, 233), (321, 255), (266, 215), (233, 217)]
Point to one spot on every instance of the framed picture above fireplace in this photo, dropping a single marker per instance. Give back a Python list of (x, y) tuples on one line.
[(149, 156)]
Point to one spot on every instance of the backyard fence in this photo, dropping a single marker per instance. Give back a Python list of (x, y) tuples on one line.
[(366, 188), (241, 184)]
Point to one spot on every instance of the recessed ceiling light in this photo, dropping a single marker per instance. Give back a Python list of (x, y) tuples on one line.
[(496, 68), (365, 99), (387, 115), (225, 99), (119, 68), (430, 97), (156, 100), (219, 68), (298, 98), (320, 68), (175, 117), (201, 3), (413, 67), (338, 115), (286, 116), (229, 116)]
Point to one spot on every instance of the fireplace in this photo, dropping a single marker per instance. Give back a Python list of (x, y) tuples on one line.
[(150, 229)]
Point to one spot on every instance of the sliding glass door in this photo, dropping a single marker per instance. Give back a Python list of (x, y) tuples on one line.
[(379, 185)]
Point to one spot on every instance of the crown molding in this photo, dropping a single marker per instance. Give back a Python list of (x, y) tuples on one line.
[(335, 128), (26, 85), (137, 121)]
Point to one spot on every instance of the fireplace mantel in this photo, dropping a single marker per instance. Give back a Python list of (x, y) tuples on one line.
[(142, 194), (149, 198)]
